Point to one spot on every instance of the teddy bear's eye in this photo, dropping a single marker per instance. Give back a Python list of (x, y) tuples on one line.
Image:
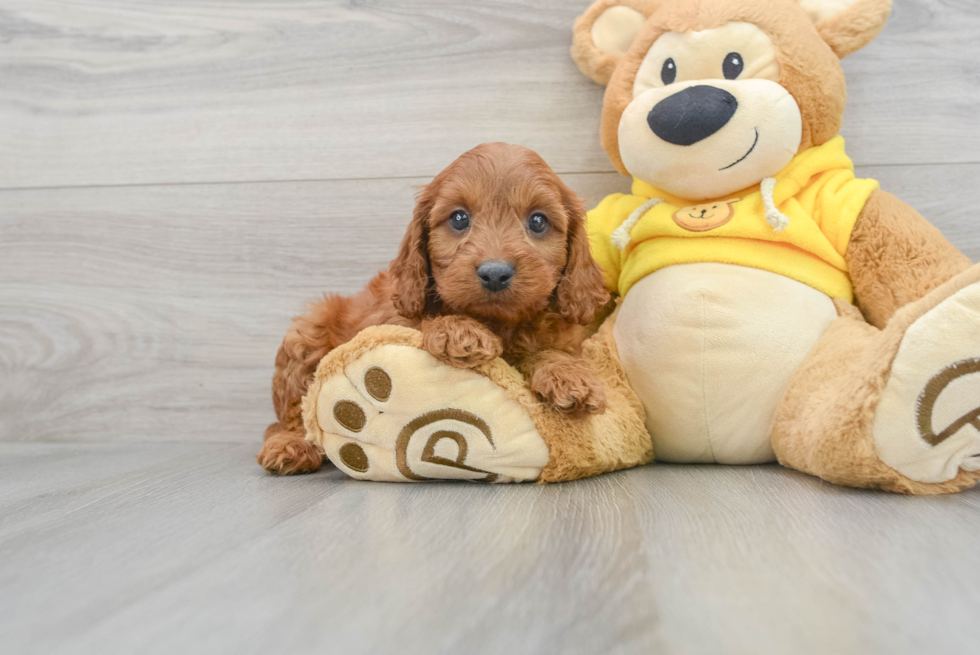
[(669, 72), (733, 65)]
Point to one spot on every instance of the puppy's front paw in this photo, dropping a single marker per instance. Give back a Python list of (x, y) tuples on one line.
[(460, 341), (569, 386)]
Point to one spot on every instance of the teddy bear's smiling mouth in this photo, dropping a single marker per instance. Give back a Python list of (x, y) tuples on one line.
[(754, 144)]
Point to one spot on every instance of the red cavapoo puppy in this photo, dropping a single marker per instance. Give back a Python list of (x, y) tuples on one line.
[(495, 263)]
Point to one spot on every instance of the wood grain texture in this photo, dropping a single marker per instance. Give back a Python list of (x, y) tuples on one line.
[(153, 91), (167, 548), (154, 313)]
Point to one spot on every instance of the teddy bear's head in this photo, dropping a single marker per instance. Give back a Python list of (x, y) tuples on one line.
[(708, 97)]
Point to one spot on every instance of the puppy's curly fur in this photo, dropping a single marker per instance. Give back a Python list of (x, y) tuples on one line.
[(535, 323)]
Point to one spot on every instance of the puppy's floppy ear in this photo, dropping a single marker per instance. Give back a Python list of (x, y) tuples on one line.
[(848, 25), (581, 291), (411, 267), (604, 33)]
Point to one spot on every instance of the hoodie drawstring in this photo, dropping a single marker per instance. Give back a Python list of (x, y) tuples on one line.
[(777, 219), (621, 235)]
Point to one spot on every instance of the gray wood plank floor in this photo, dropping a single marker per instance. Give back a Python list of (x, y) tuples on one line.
[(177, 178), (171, 548)]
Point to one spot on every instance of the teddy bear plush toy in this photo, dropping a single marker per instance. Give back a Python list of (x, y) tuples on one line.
[(772, 306)]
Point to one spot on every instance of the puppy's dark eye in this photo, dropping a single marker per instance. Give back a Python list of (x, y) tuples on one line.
[(733, 65), (538, 223), (669, 72), (459, 220)]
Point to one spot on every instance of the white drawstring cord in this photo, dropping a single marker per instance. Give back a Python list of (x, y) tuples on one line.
[(777, 219), (621, 235)]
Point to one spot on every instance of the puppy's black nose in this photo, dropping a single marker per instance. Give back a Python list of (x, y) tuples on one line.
[(692, 115), (495, 275)]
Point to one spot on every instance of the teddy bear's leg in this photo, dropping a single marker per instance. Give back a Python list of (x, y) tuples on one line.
[(897, 408), (895, 257), (616, 439), (382, 408)]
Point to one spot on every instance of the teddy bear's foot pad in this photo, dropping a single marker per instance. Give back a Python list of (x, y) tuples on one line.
[(927, 425), (396, 414)]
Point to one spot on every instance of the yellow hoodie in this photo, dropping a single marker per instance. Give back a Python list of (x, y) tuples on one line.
[(817, 192)]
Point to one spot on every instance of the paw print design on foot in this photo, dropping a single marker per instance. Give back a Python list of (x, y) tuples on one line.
[(927, 425), (392, 412)]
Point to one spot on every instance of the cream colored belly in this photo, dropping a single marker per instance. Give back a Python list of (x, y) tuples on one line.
[(710, 349)]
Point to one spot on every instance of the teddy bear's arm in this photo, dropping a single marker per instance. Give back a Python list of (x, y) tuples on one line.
[(601, 224), (895, 256)]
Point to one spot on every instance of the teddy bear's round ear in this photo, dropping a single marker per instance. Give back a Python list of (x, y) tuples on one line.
[(604, 33), (848, 25)]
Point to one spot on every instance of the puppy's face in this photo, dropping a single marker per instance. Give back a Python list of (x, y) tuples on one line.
[(498, 233), (498, 236)]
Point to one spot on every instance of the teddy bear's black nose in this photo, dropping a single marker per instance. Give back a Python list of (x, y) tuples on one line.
[(692, 115)]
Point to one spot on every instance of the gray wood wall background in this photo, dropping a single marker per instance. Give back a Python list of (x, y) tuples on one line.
[(177, 178)]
